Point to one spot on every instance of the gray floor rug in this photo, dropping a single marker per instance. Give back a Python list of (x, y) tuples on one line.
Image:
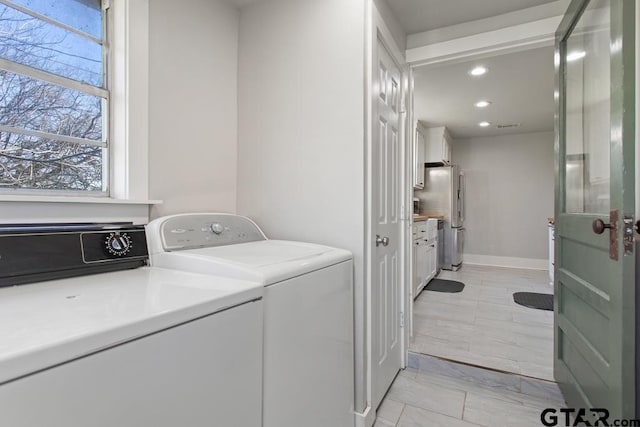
[(534, 300), (443, 285)]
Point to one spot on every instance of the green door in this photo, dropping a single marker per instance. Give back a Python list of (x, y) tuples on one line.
[(595, 203)]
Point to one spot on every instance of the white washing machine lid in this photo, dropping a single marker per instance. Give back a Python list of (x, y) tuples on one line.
[(48, 323), (265, 261)]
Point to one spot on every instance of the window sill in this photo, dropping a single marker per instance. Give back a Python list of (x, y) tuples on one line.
[(31, 209), (75, 199)]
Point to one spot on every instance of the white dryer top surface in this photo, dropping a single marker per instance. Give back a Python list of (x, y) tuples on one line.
[(266, 261), (44, 324)]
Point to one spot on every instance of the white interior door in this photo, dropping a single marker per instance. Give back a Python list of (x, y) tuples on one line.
[(386, 343)]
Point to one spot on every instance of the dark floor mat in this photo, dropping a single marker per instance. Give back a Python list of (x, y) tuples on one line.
[(443, 285), (534, 300)]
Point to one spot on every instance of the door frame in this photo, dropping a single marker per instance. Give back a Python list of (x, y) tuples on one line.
[(376, 28), (539, 33)]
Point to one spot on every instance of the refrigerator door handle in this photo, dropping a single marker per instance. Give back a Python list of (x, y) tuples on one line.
[(461, 198)]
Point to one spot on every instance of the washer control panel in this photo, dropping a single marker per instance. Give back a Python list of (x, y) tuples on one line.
[(207, 230), (111, 245), (217, 228)]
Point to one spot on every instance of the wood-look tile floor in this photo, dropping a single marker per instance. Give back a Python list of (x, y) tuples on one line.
[(482, 325), (441, 396)]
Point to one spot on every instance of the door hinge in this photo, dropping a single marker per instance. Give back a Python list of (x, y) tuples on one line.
[(627, 234), (402, 319)]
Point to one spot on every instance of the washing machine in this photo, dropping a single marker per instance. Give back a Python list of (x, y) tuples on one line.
[(308, 354), (91, 336)]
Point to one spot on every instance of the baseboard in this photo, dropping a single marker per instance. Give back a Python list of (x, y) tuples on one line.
[(366, 418), (504, 261)]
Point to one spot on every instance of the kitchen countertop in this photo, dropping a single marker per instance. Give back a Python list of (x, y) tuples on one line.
[(424, 217)]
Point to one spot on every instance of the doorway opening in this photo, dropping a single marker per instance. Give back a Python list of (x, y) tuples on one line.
[(488, 128)]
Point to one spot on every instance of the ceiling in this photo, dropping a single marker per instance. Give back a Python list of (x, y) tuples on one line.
[(417, 16), (519, 85), (240, 3)]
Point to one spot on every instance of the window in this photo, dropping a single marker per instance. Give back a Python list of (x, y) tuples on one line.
[(126, 172), (54, 103)]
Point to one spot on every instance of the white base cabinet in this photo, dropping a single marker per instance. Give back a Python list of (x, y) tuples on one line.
[(419, 268), (432, 260), (422, 266), (425, 254)]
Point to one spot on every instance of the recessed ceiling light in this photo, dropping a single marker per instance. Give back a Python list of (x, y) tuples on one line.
[(575, 55), (482, 104), (484, 124), (478, 71)]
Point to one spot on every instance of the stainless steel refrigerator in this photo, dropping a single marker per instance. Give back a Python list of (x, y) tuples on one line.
[(443, 194)]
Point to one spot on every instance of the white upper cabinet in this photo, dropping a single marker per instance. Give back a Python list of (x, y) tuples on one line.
[(419, 148), (438, 145)]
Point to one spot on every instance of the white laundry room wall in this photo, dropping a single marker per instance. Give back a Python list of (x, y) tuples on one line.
[(509, 193), (301, 122), (392, 23), (193, 105), (301, 126)]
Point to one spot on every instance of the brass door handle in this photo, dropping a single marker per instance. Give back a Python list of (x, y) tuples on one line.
[(599, 226)]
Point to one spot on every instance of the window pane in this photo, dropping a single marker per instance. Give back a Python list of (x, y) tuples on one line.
[(36, 105), (83, 15), (587, 102), (44, 46), (35, 163)]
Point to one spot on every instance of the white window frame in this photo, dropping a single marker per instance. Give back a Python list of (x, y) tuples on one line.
[(128, 78)]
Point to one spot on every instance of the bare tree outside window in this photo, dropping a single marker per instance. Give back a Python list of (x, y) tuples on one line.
[(51, 97)]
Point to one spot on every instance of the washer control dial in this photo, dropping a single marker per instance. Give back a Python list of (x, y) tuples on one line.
[(118, 244), (217, 228)]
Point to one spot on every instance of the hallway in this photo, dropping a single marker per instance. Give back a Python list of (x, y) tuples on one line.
[(482, 325)]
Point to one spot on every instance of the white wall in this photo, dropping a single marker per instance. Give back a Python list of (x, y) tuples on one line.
[(509, 194), (301, 124), (301, 153), (193, 56), (392, 23)]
